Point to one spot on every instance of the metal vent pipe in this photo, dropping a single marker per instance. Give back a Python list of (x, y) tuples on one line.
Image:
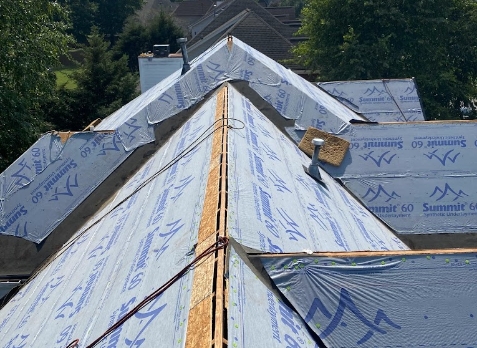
[(314, 169), (182, 42)]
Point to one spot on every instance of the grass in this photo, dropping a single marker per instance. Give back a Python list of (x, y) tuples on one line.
[(63, 77)]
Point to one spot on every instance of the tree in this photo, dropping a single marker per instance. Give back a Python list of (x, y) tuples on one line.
[(431, 40), (112, 15), (82, 14), (137, 38), (104, 84), (108, 15), (32, 38)]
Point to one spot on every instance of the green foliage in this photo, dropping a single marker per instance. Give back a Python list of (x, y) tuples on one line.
[(297, 4), (63, 78), (137, 38), (431, 40), (82, 14), (108, 15), (32, 38), (112, 14), (104, 84)]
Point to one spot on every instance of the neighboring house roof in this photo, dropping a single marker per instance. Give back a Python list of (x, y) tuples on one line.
[(282, 12), (190, 8), (237, 6), (252, 29), (220, 237)]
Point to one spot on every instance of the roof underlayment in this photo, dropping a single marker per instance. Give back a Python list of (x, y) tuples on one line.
[(395, 100), (419, 177), (246, 248), (58, 171), (172, 210)]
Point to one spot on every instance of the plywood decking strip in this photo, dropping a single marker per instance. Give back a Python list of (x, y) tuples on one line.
[(206, 320)]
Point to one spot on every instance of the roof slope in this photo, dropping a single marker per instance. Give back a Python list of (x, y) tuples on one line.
[(395, 100), (252, 29), (387, 300), (237, 6), (131, 247), (291, 211), (174, 208), (419, 177), (64, 177), (193, 8), (219, 212)]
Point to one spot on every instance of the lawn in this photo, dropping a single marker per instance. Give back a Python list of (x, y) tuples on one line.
[(63, 76)]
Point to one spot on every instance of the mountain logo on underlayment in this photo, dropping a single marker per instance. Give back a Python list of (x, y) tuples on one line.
[(347, 309), (113, 146), (447, 191), (409, 90), (385, 157), (132, 129), (444, 158), (374, 91), (337, 93), (215, 68), (66, 190), (380, 192), (22, 173)]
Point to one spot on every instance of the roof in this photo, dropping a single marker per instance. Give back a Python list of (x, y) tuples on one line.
[(252, 29), (65, 188), (283, 12), (417, 176), (220, 237), (395, 100), (235, 7), (189, 8), (118, 257)]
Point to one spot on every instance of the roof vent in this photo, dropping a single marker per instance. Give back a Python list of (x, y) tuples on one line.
[(160, 50), (182, 42), (313, 168)]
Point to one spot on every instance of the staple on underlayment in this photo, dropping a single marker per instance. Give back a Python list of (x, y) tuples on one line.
[(332, 152)]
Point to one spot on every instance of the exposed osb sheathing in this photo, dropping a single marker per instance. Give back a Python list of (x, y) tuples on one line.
[(207, 288), (332, 152)]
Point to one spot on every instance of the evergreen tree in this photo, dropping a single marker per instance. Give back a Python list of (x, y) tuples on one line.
[(104, 85), (82, 14), (137, 38), (112, 15)]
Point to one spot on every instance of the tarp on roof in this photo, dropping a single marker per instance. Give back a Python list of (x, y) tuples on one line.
[(395, 100), (389, 301), (274, 206), (257, 317), (81, 158), (418, 177), (131, 247)]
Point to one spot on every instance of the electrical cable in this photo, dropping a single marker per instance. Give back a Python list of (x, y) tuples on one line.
[(199, 140), (221, 243)]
